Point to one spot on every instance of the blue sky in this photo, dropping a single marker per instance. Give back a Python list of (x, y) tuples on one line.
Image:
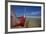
[(27, 10)]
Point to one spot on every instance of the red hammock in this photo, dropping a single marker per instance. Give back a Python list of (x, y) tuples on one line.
[(21, 21)]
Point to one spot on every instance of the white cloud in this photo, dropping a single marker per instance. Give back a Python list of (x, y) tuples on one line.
[(35, 13)]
